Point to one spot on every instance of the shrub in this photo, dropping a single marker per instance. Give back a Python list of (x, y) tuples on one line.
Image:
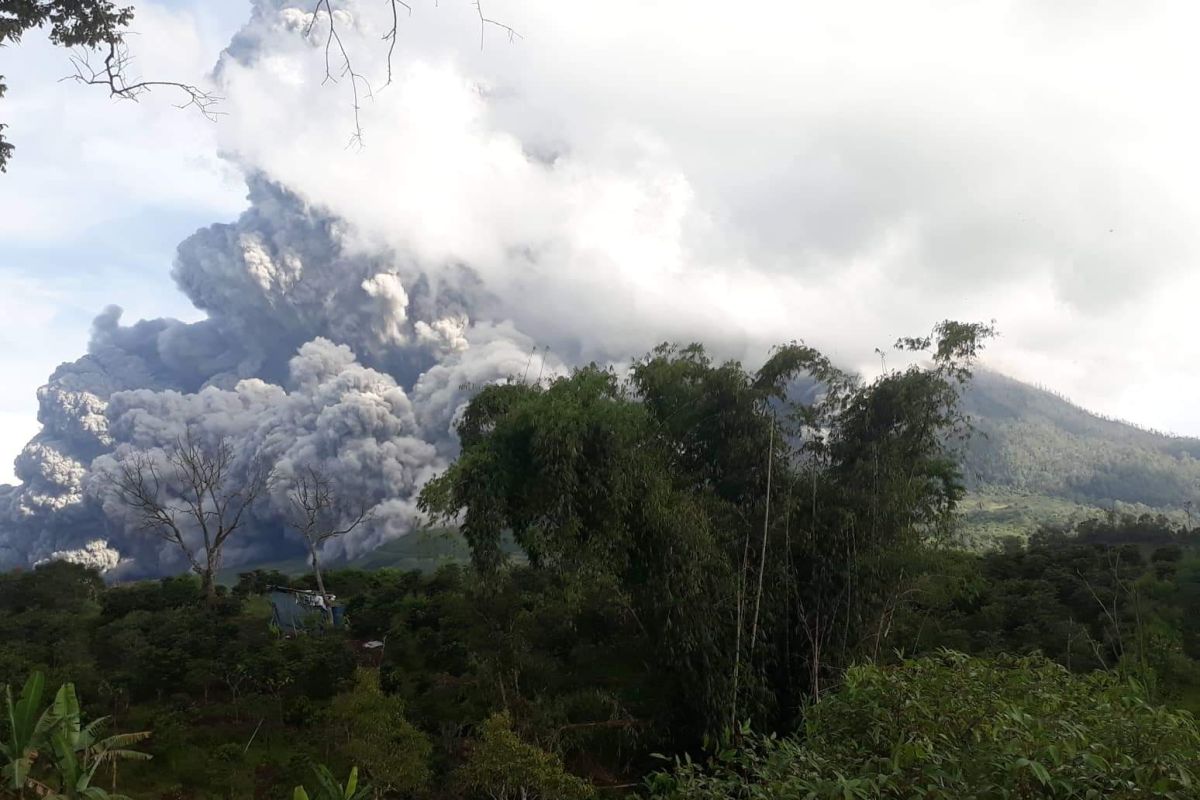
[(501, 766), (952, 727), (374, 734)]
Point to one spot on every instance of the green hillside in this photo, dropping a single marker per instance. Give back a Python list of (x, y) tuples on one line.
[(422, 550), (1037, 458)]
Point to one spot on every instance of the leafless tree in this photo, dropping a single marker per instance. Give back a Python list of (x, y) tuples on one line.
[(197, 489), (318, 513)]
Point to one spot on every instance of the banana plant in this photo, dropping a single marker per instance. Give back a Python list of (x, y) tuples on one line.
[(68, 752), (86, 740), (79, 750), (329, 789), (28, 728), (74, 776)]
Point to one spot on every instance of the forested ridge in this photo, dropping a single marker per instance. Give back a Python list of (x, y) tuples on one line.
[(691, 580), (1036, 457)]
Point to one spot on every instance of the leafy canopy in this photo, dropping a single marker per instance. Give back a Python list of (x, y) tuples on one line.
[(755, 523)]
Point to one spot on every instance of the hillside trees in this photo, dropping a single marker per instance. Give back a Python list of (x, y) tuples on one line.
[(1121, 595), (500, 766), (756, 523), (43, 624), (515, 680), (373, 733)]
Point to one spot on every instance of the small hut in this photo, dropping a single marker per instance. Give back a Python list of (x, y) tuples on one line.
[(300, 610)]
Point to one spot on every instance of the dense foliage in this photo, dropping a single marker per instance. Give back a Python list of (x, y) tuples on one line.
[(952, 727), (753, 535), (50, 751), (662, 563), (1119, 595)]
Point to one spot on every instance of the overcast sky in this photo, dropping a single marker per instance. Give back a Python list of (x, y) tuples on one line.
[(839, 172)]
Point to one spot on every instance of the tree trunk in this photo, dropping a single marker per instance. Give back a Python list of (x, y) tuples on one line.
[(208, 585), (316, 566)]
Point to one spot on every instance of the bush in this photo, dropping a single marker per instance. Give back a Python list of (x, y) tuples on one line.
[(373, 733), (502, 767), (952, 727)]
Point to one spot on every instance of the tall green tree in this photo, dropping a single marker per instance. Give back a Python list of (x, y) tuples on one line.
[(756, 523)]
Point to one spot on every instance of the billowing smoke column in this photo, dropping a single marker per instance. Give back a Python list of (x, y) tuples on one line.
[(354, 305), (310, 358)]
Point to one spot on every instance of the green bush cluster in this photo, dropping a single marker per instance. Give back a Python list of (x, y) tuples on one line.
[(954, 727)]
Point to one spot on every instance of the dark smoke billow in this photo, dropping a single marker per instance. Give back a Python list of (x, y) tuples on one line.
[(353, 364)]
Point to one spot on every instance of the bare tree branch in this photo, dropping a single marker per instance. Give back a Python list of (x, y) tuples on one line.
[(347, 70), (113, 74), (390, 36), (485, 21)]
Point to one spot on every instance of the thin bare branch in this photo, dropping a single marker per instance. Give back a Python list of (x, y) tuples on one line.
[(319, 514), (114, 71), (113, 74), (484, 21), (390, 36), (347, 70), (200, 492)]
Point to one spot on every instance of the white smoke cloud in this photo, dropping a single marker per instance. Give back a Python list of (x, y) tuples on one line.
[(691, 183), (96, 554)]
